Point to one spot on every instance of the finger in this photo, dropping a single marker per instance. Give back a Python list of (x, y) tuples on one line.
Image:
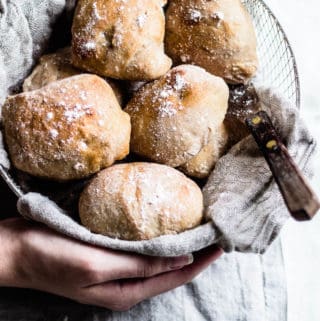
[(96, 265), (115, 265), (121, 296), (144, 289)]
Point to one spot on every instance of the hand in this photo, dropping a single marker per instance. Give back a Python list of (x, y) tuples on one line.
[(41, 259)]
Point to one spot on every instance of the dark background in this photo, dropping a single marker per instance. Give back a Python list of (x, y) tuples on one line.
[(7, 201)]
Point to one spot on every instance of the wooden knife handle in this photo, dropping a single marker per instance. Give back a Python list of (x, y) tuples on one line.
[(301, 200)]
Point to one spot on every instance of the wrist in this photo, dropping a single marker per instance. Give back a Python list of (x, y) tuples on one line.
[(10, 249)]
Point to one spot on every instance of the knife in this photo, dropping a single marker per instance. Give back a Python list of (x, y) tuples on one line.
[(245, 114)]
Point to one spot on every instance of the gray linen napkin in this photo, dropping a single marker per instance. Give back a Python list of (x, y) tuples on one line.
[(23, 37)]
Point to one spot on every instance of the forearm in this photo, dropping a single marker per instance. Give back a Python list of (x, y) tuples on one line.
[(9, 253), (33, 256)]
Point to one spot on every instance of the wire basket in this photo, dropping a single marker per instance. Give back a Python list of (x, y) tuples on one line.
[(277, 64), (276, 59)]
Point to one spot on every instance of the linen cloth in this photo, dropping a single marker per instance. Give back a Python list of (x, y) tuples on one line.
[(243, 202)]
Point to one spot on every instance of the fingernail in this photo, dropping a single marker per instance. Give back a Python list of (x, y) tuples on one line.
[(181, 261)]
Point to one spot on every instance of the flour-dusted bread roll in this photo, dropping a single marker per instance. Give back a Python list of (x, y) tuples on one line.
[(201, 165), (67, 130), (140, 201), (120, 39), (177, 120), (57, 66), (216, 35), (51, 67)]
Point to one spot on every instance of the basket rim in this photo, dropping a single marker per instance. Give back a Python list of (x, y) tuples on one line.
[(15, 188)]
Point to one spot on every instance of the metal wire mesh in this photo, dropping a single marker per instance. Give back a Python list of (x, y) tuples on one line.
[(276, 59)]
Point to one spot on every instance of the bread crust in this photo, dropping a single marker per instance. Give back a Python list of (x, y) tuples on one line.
[(51, 67), (67, 130), (201, 165), (120, 39), (216, 35), (140, 201), (178, 120), (57, 66)]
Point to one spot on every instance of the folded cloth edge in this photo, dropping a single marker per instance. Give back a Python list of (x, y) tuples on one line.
[(41, 209), (301, 146)]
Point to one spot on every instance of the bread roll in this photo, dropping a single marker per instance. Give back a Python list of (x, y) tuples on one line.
[(201, 165), (67, 130), (178, 120), (51, 68), (140, 201), (57, 66), (120, 39), (216, 35)]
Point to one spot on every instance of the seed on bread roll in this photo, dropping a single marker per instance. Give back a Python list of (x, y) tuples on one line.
[(67, 130), (57, 66), (140, 201), (216, 35), (178, 120), (120, 39)]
